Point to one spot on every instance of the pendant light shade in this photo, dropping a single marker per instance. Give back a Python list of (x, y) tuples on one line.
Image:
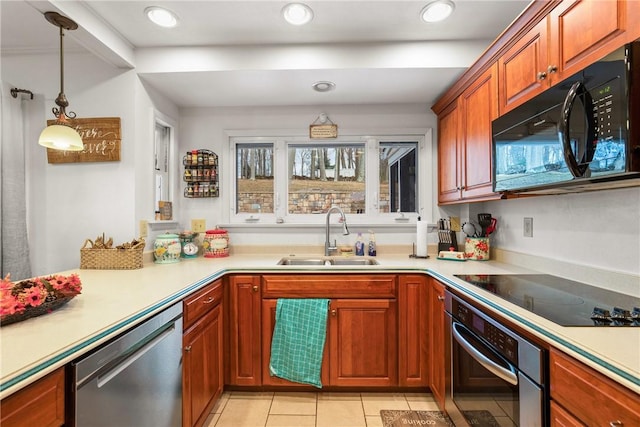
[(60, 135)]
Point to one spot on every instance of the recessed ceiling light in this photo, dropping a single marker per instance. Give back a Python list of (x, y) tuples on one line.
[(297, 13), (323, 86), (162, 17), (438, 10)]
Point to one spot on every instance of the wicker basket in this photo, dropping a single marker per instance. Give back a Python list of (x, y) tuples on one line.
[(111, 259), (46, 307)]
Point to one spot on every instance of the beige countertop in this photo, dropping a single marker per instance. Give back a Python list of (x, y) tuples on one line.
[(114, 300)]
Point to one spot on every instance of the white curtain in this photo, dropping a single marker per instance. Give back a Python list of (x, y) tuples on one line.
[(14, 247)]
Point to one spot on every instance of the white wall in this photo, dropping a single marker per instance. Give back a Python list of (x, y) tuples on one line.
[(597, 229), (68, 203), (206, 127)]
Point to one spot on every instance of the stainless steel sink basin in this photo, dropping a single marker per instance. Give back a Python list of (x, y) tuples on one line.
[(327, 261)]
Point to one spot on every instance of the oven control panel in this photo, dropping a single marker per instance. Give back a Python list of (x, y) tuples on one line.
[(484, 327)]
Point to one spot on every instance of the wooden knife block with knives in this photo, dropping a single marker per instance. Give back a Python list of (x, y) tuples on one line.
[(446, 237)]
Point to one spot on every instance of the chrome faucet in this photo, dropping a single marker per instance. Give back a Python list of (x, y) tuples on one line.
[(345, 231)]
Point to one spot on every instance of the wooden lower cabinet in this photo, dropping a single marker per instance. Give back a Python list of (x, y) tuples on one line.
[(244, 339), (202, 353), (413, 330), (39, 404), (203, 374), (363, 343), (268, 324), (438, 350), (582, 396)]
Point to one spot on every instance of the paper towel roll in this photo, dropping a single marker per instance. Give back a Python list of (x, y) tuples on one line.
[(421, 238)]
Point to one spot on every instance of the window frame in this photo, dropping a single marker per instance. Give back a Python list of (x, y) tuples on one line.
[(372, 215)]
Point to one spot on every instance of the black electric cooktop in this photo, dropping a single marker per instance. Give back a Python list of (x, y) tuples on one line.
[(562, 301)]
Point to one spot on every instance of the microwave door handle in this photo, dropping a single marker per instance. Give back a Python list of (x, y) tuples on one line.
[(578, 89), (507, 375)]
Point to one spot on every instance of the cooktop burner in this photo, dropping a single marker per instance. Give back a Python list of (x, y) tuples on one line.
[(562, 301)]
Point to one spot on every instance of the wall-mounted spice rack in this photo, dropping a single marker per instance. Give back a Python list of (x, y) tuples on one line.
[(201, 174)]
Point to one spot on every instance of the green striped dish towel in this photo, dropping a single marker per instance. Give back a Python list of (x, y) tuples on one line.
[(298, 340)]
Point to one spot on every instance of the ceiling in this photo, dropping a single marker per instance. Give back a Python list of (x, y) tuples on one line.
[(242, 53)]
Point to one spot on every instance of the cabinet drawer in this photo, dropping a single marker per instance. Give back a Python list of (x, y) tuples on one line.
[(201, 302), (39, 404), (329, 286), (590, 396)]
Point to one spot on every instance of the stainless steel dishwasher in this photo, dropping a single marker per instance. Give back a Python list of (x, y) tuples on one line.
[(136, 379)]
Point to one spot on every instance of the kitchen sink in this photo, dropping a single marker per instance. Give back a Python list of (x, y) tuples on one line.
[(327, 261)]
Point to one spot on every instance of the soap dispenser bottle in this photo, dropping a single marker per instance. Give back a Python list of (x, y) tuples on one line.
[(372, 243), (359, 245)]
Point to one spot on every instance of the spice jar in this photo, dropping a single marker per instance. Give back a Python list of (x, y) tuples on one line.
[(167, 248), (216, 243)]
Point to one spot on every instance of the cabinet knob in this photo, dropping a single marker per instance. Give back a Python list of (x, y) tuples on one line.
[(542, 75), (208, 300), (552, 69), (333, 312), (440, 298), (255, 288), (616, 423), (187, 348)]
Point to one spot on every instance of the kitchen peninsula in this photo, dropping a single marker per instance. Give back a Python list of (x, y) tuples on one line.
[(114, 301)]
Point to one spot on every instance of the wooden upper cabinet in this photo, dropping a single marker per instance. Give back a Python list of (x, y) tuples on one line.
[(464, 142), (575, 34), (478, 107), (523, 68), (448, 155), (582, 32)]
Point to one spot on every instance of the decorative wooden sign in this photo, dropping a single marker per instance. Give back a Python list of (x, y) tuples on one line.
[(323, 131), (101, 138)]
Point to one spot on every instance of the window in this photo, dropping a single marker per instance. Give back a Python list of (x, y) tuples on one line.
[(294, 179)]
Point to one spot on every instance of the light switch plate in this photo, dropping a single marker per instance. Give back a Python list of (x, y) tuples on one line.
[(528, 227), (455, 223), (144, 228), (198, 225)]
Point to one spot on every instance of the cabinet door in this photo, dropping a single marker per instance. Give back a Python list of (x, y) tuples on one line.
[(413, 331), (202, 379), (448, 155), (268, 323), (39, 404), (438, 349), (244, 330), (523, 68), (478, 107), (363, 343), (584, 31), (561, 418)]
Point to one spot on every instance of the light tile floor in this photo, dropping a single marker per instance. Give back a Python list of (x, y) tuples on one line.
[(322, 409)]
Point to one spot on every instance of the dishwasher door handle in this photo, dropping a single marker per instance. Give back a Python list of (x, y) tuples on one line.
[(508, 375), (110, 370)]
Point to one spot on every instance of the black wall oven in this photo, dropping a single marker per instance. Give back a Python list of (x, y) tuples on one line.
[(497, 376)]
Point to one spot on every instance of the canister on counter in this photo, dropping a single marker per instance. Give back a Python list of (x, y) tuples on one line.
[(216, 243), (167, 249)]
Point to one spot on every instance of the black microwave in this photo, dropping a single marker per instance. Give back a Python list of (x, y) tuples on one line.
[(581, 134)]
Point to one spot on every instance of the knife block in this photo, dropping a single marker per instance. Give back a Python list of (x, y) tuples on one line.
[(447, 239)]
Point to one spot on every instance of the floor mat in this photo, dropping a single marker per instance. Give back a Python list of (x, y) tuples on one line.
[(395, 418)]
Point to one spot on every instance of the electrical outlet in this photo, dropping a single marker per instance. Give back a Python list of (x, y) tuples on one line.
[(198, 225), (528, 227), (454, 222), (144, 228)]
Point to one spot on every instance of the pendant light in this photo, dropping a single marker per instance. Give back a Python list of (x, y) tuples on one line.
[(60, 135)]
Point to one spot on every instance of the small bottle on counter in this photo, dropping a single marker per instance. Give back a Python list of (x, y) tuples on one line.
[(372, 244), (359, 245)]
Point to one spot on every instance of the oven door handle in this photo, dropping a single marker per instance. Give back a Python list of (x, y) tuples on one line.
[(508, 375)]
